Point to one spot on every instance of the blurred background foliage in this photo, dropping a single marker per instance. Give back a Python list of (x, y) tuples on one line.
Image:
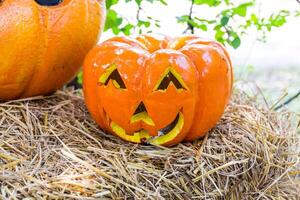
[(229, 25), (228, 21)]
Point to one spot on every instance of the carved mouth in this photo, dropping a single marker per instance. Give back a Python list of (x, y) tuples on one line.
[(164, 135)]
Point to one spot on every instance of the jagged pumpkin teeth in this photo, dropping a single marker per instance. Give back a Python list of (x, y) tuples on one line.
[(154, 95), (170, 132), (142, 136)]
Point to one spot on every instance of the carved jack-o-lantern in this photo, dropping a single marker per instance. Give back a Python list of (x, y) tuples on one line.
[(157, 90), (43, 43)]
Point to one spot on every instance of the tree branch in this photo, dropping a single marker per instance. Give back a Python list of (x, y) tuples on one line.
[(288, 101), (138, 13), (190, 27)]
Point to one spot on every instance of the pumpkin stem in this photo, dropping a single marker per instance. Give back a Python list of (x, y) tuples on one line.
[(47, 2)]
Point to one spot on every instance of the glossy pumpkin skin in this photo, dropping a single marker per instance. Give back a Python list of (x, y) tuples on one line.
[(157, 90), (43, 43)]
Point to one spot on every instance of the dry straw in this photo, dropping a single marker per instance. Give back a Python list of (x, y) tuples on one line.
[(51, 149)]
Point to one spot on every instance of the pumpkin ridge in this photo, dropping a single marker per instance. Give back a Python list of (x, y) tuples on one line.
[(220, 56), (27, 85), (40, 16)]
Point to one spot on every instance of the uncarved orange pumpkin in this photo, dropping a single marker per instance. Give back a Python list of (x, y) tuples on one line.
[(157, 90), (43, 43)]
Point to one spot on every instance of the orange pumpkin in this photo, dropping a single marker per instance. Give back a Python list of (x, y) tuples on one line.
[(43, 43), (157, 90)]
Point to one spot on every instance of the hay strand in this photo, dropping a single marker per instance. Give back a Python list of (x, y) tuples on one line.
[(50, 148)]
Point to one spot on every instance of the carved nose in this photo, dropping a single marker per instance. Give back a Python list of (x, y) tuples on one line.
[(141, 114), (140, 109)]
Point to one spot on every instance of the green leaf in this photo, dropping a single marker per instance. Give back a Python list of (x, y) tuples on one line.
[(80, 77), (236, 42), (224, 20), (163, 2), (183, 19), (127, 29), (241, 10), (110, 3), (115, 30), (202, 27), (205, 20), (211, 3), (219, 35), (113, 21), (254, 19), (144, 23), (278, 20), (138, 2), (193, 22)]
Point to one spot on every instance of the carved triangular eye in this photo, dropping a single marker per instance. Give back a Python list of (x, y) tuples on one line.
[(170, 76), (167, 80), (112, 74)]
